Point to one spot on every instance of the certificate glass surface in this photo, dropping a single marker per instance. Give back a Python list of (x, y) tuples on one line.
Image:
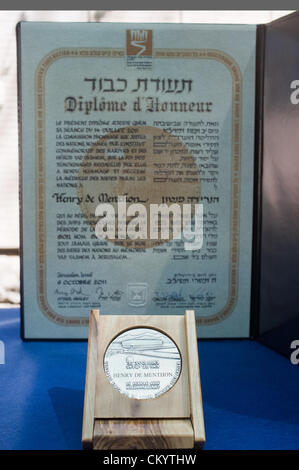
[(173, 123)]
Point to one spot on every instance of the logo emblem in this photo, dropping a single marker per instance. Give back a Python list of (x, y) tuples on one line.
[(137, 294), (139, 42)]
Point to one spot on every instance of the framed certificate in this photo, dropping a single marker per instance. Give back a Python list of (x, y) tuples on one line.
[(154, 114)]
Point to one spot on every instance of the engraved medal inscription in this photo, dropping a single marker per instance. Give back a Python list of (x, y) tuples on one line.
[(142, 363)]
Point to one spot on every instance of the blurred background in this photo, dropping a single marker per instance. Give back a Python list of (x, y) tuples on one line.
[(9, 207)]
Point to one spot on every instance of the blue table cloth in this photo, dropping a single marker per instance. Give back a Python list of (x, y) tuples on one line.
[(250, 393)]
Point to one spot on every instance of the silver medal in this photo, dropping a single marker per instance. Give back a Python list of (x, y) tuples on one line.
[(142, 363)]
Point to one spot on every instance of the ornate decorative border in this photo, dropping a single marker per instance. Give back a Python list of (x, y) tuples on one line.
[(192, 54)]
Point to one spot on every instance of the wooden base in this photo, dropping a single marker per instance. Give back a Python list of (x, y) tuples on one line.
[(173, 420), (143, 434)]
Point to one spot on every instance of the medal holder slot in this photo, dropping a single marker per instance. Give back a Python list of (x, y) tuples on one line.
[(172, 420)]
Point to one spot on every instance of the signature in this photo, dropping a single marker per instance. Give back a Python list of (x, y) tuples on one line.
[(168, 296), (114, 296), (160, 296), (202, 297), (73, 291)]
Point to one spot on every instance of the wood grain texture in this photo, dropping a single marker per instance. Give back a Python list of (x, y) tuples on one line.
[(113, 421), (90, 381), (143, 434), (110, 403), (194, 380)]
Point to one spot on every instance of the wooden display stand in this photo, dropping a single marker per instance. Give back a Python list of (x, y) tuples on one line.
[(111, 420)]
